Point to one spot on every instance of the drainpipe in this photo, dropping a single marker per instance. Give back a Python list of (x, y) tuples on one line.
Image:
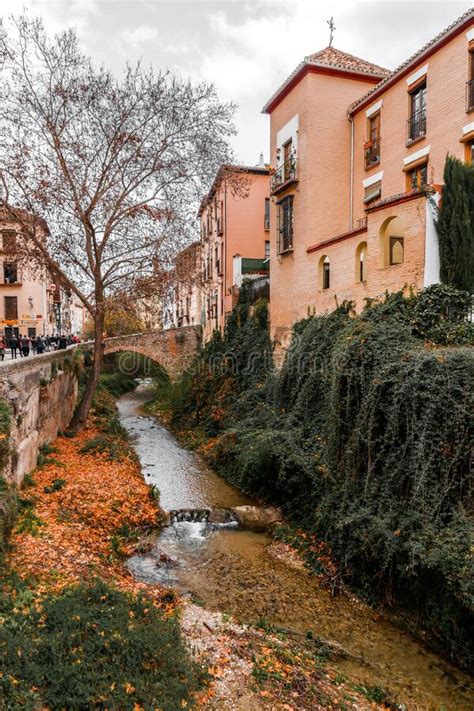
[(351, 208)]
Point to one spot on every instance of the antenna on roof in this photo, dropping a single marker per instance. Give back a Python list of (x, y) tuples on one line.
[(332, 27)]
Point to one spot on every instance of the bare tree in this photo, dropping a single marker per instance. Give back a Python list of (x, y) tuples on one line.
[(113, 166)]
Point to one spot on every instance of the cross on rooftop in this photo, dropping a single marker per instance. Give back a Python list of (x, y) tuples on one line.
[(332, 27)]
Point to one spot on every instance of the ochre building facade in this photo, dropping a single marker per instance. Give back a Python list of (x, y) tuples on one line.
[(358, 155)]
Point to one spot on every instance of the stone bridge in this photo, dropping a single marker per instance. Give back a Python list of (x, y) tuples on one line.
[(41, 390), (174, 348)]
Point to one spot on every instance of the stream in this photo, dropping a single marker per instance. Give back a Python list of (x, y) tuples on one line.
[(231, 571)]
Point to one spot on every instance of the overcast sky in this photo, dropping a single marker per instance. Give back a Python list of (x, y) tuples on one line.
[(246, 48)]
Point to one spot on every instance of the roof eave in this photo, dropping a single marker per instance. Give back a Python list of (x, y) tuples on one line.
[(318, 67), (409, 65)]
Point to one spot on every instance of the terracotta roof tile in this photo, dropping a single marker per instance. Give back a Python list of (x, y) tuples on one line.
[(332, 57), (411, 60)]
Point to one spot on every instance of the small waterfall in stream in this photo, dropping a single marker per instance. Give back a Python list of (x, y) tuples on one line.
[(214, 516)]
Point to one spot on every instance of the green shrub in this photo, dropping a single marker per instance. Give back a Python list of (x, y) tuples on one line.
[(117, 383), (92, 647), (456, 225), (362, 437), (56, 485), (114, 447), (5, 428), (44, 456)]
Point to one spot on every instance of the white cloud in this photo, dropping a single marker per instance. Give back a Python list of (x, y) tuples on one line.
[(138, 36), (246, 48)]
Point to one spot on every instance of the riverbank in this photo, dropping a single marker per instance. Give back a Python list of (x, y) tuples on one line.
[(73, 617), (362, 437)]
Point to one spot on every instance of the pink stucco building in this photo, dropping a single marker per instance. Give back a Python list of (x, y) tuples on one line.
[(354, 147), (32, 302), (235, 222)]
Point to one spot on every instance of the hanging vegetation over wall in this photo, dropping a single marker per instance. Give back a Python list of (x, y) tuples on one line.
[(362, 437), (7, 491), (456, 226)]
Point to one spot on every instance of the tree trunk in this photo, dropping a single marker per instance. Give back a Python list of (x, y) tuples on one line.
[(80, 416)]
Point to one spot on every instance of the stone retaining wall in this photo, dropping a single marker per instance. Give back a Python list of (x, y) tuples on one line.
[(41, 392)]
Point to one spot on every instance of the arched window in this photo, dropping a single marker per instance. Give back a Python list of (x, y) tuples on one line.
[(361, 262), (392, 242), (324, 272)]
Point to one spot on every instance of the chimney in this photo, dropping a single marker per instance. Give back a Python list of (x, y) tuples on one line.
[(261, 163)]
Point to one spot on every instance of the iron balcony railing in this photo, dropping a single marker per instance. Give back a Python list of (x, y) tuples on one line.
[(372, 153), (285, 239), (470, 95), (416, 126), (284, 174)]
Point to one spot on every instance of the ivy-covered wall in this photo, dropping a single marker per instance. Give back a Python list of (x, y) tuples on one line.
[(7, 492), (362, 437)]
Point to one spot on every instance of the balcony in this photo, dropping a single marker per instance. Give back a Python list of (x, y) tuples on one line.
[(470, 95), (255, 266), (416, 126), (284, 176), (371, 153)]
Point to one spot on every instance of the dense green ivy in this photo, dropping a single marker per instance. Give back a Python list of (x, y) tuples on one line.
[(362, 437), (8, 496)]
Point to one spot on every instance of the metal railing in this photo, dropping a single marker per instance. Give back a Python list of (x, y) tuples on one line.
[(372, 153), (416, 126), (470, 95), (285, 239), (285, 173)]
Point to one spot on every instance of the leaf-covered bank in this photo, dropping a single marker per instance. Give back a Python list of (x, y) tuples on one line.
[(76, 630), (363, 438)]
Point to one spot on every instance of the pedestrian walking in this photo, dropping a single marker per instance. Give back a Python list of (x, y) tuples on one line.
[(25, 346), (14, 345), (62, 345), (40, 345), (33, 343), (3, 346)]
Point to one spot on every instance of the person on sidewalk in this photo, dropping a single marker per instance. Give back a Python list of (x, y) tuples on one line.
[(40, 345), (25, 346), (62, 345), (14, 345), (3, 346)]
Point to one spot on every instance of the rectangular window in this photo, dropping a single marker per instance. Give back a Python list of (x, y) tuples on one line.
[(267, 249), (11, 308), (396, 250), (470, 83), (326, 274), (266, 219), (417, 120), (9, 241), (372, 147), (470, 152), (10, 273), (285, 224), (220, 218), (373, 192), (418, 177)]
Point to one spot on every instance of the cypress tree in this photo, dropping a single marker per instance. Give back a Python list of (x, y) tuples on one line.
[(456, 226)]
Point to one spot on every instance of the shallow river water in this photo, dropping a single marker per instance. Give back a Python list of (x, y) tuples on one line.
[(230, 570)]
